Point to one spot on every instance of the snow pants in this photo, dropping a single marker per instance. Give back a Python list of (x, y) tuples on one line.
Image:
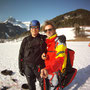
[(32, 73)]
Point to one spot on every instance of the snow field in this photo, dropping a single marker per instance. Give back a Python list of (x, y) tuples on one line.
[(9, 60)]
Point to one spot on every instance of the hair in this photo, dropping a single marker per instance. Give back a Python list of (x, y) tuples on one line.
[(47, 22)]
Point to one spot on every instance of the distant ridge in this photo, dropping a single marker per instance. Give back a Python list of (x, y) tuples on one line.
[(8, 30), (79, 16)]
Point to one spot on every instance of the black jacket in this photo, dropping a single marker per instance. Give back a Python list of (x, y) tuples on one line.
[(31, 50)]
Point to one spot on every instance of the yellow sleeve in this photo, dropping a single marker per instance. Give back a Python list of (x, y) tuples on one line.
[(60, 50)]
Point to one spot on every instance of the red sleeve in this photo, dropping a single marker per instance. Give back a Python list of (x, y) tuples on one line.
[(55, 65)]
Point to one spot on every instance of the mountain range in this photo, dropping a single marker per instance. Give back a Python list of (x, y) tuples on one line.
[(17, 22), (12, 27), (79, 16)]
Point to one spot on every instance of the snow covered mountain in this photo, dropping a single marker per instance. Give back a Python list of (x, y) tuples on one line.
[(17, 22), (27, 24), (11, 28), (8, 30)]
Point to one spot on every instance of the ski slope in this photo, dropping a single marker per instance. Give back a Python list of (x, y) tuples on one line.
[(9, 60)]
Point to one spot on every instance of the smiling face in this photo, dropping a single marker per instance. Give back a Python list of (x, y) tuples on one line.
[(34, 31), (49, 30)]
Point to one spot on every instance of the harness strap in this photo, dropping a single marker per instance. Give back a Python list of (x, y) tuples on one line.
[(51, 80), (38, 68), (59, 77), (44, 85)]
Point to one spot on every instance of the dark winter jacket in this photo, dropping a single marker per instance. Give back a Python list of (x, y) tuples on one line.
[(31, 50)]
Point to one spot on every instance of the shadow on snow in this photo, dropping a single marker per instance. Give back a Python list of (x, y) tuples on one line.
[(80, 79)]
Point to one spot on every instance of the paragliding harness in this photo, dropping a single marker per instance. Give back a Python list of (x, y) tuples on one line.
[(65, 78)]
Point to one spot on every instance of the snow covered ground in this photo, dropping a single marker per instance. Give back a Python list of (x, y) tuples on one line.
[(82, 63), (69, 32), (9, 60)]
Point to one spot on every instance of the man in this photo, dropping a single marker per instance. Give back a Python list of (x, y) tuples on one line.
[(31, 49), (55, 58)]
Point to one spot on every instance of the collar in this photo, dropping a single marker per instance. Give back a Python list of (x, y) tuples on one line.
[(53, 36), (51, 39)]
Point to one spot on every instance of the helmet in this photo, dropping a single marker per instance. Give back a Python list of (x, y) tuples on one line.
[(35, 23)]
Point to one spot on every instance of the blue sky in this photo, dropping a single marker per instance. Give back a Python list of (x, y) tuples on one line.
[(27, 10)]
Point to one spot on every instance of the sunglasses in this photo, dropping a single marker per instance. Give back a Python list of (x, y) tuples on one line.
[(48, 30), (36, 27)]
